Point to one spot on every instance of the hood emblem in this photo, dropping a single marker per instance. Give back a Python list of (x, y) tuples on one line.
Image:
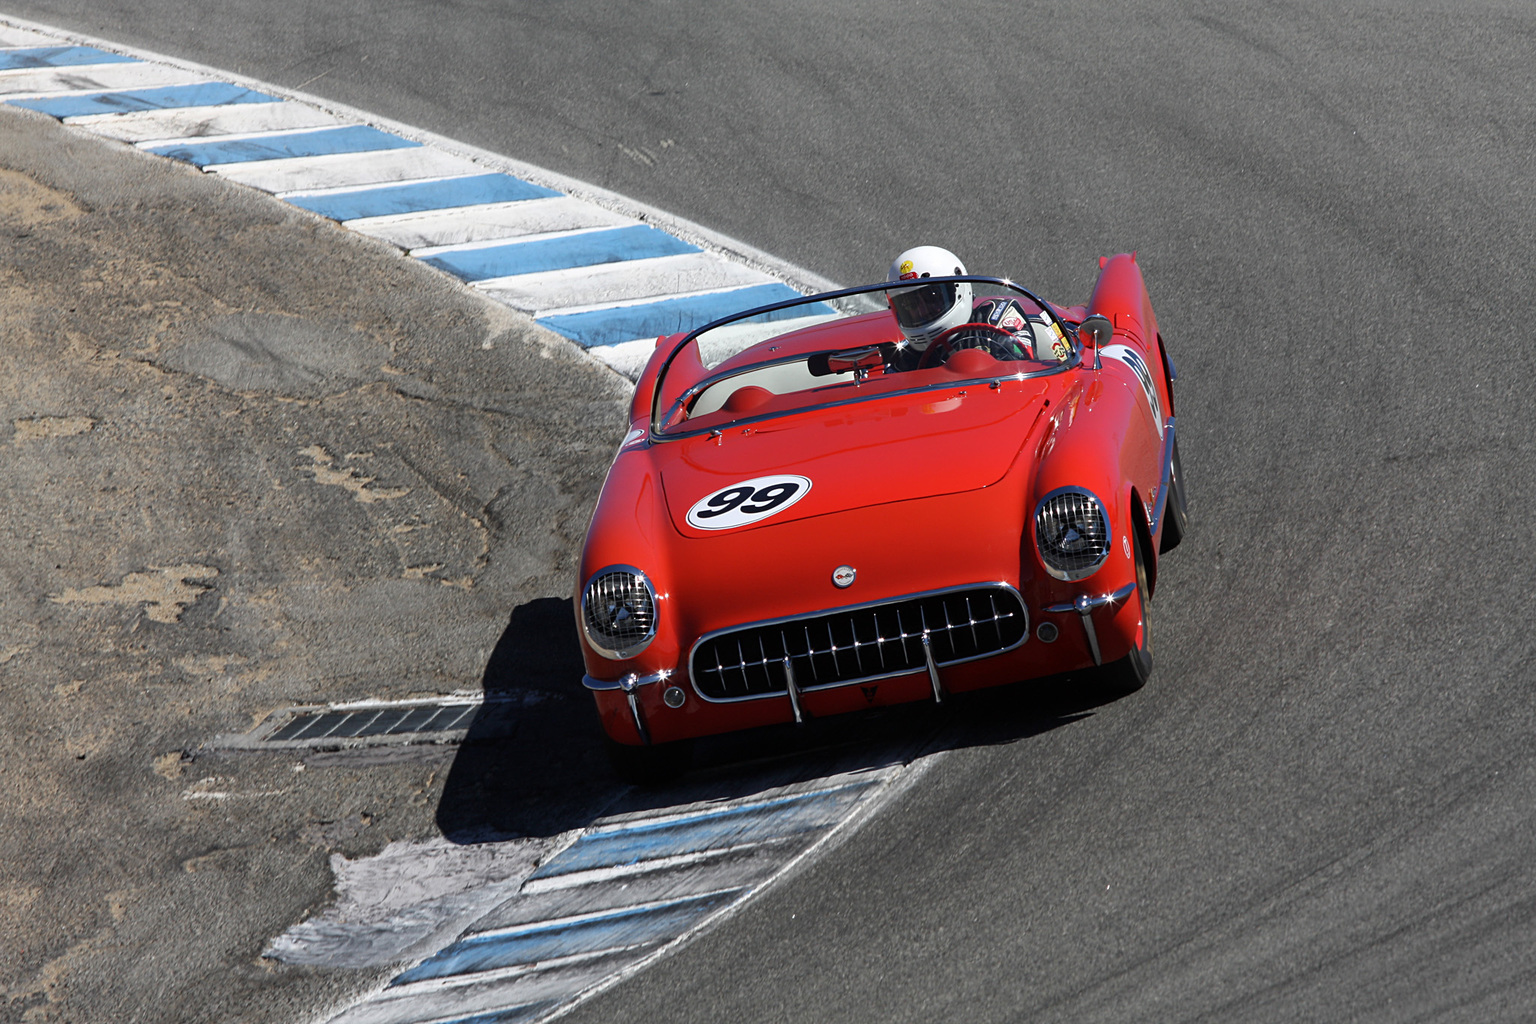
[(843, 575)]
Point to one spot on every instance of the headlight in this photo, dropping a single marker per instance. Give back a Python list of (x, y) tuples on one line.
[(1072, 533), (618, 611)]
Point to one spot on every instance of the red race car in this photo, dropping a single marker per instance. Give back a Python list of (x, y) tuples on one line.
[(812, 514)]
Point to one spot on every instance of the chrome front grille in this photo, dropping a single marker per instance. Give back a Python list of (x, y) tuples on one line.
[(852, 645)]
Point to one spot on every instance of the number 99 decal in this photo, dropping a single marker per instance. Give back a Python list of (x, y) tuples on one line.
[(747, 502)]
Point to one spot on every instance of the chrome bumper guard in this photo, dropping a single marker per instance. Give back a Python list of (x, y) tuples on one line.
[(1084, 604), (629, 684)]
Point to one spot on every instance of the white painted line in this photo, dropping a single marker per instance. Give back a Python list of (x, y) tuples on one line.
[(198, 123), (615, 824), (437, 250), (495, 974), (576, 879), (292, 174), (328, 190), (486, 223), (593, 307), (559, 980), (253, 134), (91, 78), (555, 923), (610, 283), (24, 37)]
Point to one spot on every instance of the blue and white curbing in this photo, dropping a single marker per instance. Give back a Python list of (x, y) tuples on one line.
[(521, 931), (606, 272)]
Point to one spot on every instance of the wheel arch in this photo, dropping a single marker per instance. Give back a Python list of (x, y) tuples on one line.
[(1142, 530)]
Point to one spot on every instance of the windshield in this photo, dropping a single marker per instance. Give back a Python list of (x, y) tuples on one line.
[(848, 346)]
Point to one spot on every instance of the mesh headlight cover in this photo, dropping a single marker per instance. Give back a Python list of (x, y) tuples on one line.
[(618, 611), (1072, 533)]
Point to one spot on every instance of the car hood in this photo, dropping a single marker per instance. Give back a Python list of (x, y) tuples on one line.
[(860, 455)]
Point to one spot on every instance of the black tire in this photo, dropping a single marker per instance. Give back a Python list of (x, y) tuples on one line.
[(652, 765), (1131, 672), (1176, 511)]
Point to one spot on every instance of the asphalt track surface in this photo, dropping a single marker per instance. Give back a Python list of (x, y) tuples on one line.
[(1322, 806)]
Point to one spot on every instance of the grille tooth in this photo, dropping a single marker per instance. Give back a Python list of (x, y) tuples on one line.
[(955, 621)]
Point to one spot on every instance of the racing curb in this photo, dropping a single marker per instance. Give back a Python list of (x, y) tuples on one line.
[(599, 268)]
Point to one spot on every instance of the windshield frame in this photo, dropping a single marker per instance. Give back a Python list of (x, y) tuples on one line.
[(679, 433)]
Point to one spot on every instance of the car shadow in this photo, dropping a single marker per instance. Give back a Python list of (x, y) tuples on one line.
[(533, 763)]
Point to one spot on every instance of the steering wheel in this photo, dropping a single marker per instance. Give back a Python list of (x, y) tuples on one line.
[(993, 340)]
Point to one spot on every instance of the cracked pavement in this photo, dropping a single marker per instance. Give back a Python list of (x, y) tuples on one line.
[(253, 461)]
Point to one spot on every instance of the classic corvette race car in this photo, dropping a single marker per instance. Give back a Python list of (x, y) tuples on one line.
[(804, 521)]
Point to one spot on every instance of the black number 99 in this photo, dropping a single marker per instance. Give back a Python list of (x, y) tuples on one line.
[(771, 497), (751, 502)]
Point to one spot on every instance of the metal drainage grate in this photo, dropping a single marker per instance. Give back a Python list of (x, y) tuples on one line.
[(322, 725), (382, 723)]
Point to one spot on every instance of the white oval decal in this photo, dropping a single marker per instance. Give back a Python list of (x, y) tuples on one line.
[(747, 502)]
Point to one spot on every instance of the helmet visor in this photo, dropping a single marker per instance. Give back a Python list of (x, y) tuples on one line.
[(917, 306)]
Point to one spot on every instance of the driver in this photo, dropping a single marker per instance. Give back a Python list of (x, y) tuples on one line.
[(927, 311)]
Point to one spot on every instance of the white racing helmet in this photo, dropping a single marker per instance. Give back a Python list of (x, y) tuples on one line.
[(926, 311)]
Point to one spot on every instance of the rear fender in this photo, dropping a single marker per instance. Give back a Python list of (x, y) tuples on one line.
[(645, 386), (1121, 295)]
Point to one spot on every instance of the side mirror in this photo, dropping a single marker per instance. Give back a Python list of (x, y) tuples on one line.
[(1096, 330)]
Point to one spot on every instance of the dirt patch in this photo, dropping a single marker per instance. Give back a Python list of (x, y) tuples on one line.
[(26, 204), (36, 428), (165, 592), (324, 470)]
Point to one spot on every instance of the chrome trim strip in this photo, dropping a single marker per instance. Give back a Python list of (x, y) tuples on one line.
[(1077, 603), (1085, 614), (634, 709), (933, 670), (627, 683), (861, 680), (1167, 479), (793, 690)]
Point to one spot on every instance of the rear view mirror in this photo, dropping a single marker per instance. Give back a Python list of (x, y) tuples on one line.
[(858, 360)]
